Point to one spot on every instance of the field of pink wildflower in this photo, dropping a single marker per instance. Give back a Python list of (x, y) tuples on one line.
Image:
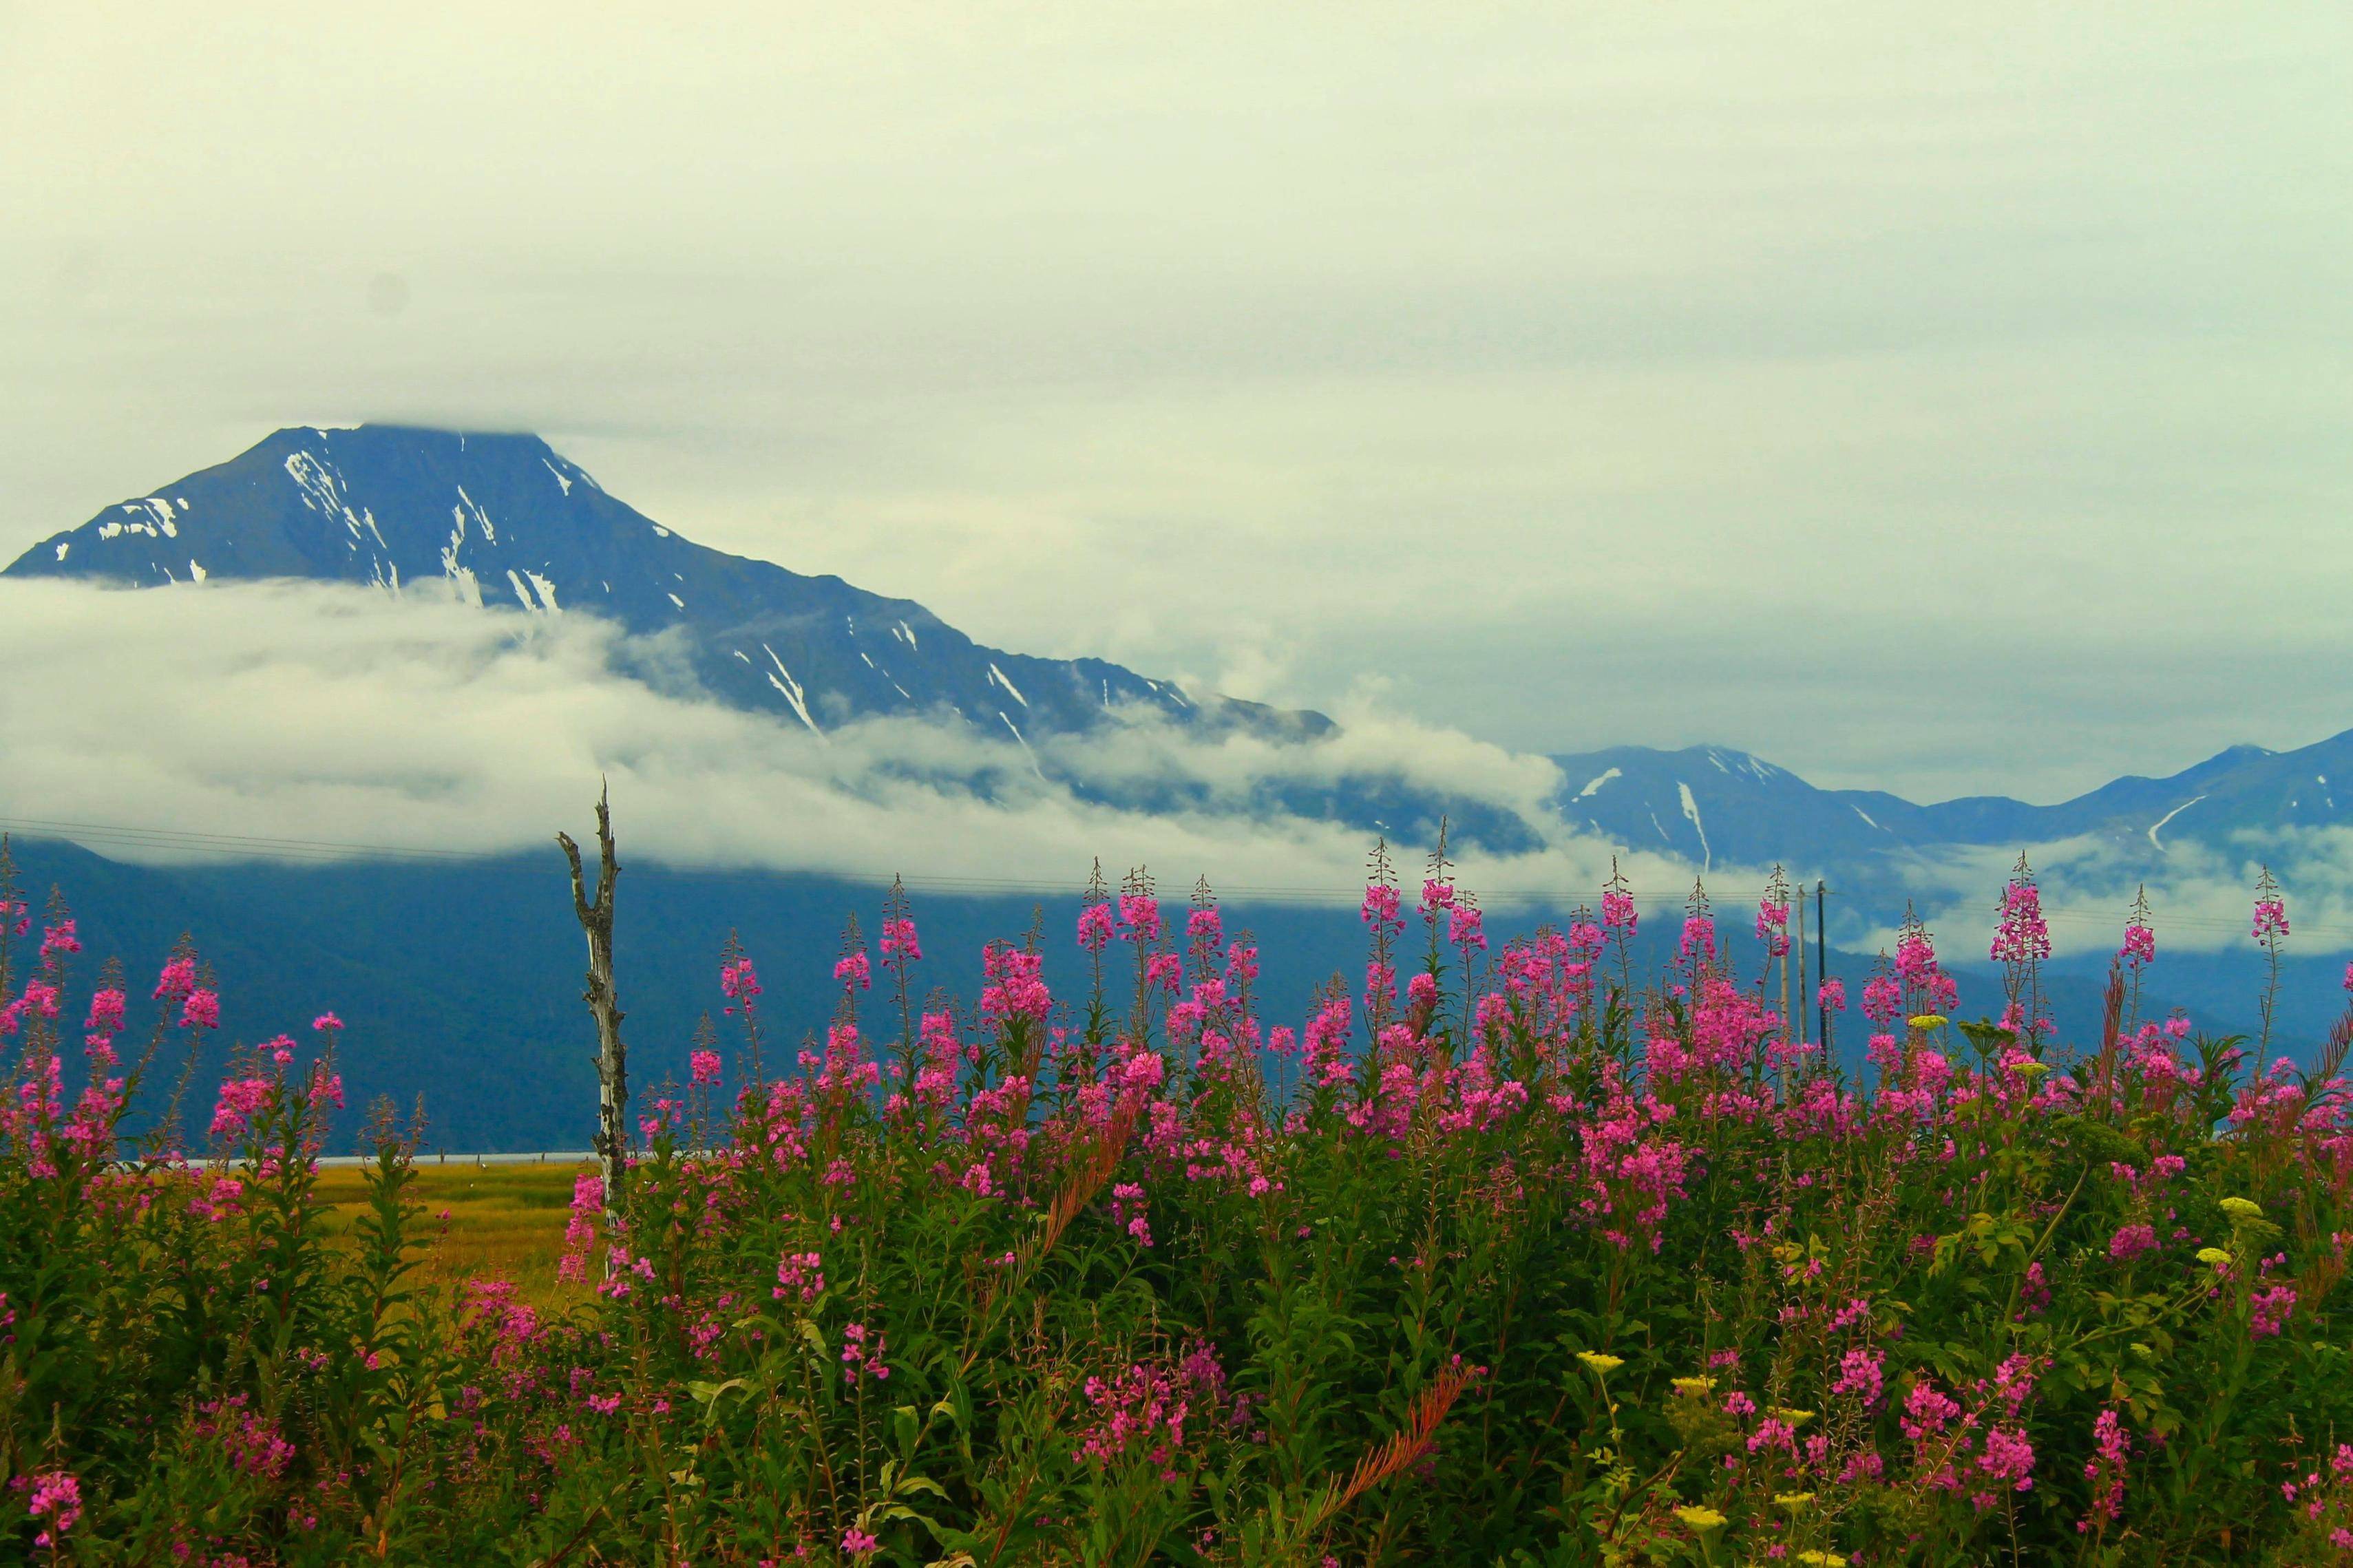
[(1501, 1256)]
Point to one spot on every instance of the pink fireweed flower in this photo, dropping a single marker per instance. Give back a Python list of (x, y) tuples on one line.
[(241, 1100), (1130, 1211), (739, 982), (200, 1011), (1466, 926), (1379, 909), (326, 1023), (2021, 933), (1927, 1412), (2268, 1310), (1014, 989), (799, 1274), (703, 1067), (60, 938), (1864, 1373), (1094, 927), (40, 999), (1140, 912), (854, 971), (2130, 1241), (1165, 972), (1882, 998), (1421, 991), (2271, 919), (1241, 963), (1832, 995), (862, 1353), (2141, 945), (2008, 1457), (858, 1543), (1698, 943), (580, 1234), (56, 1497), (1324, 1047), (1916, 965), (1773, 926), (1618, 912), (899, 939), (105, 1013), (178, 978), (2112, 1450)]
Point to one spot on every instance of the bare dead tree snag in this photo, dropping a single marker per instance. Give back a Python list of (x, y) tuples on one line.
[(612, 1140)]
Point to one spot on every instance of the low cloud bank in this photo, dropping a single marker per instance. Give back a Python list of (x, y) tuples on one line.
[(304, 712), (331, 713), (2200, 894)]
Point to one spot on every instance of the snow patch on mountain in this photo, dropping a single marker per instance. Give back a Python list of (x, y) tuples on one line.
[(1691, 810), (783, 681)]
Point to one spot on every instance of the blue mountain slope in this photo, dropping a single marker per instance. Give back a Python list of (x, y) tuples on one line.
[(502, 521), (1712, 804)]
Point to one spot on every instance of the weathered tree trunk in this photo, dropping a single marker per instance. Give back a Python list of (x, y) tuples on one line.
[(612, 1141)]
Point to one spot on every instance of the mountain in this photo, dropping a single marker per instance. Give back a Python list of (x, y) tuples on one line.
[(503, 520), (1713, 804)]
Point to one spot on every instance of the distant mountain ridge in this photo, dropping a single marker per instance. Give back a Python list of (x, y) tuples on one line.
[(505, 521), (1713, 804)]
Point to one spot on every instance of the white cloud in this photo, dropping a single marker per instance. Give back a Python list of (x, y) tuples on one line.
[(338, 714), (2201, 898), (341, 715)]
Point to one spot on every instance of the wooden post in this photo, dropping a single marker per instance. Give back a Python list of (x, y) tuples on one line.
[(1805, 1024), (1785, 1035), (612, 1140), (1821, 970)]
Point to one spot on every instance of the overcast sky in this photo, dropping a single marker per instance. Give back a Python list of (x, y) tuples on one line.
[(1942, 399)]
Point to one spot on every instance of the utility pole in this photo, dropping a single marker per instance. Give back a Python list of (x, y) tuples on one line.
[(612, 1140), (1821, 968), (1801, 1014)]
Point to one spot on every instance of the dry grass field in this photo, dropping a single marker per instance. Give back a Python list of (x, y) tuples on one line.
[(505, 1221)]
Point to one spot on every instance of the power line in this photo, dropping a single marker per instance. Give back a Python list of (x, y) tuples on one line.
[(249, 846), (230, 843)]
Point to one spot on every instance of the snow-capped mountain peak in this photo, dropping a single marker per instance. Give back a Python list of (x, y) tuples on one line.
[(505, 521)]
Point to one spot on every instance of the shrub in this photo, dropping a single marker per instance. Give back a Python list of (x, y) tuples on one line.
[(1516, 1263)]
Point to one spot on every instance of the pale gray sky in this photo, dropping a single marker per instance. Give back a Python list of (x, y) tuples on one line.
[(1945, 398)]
